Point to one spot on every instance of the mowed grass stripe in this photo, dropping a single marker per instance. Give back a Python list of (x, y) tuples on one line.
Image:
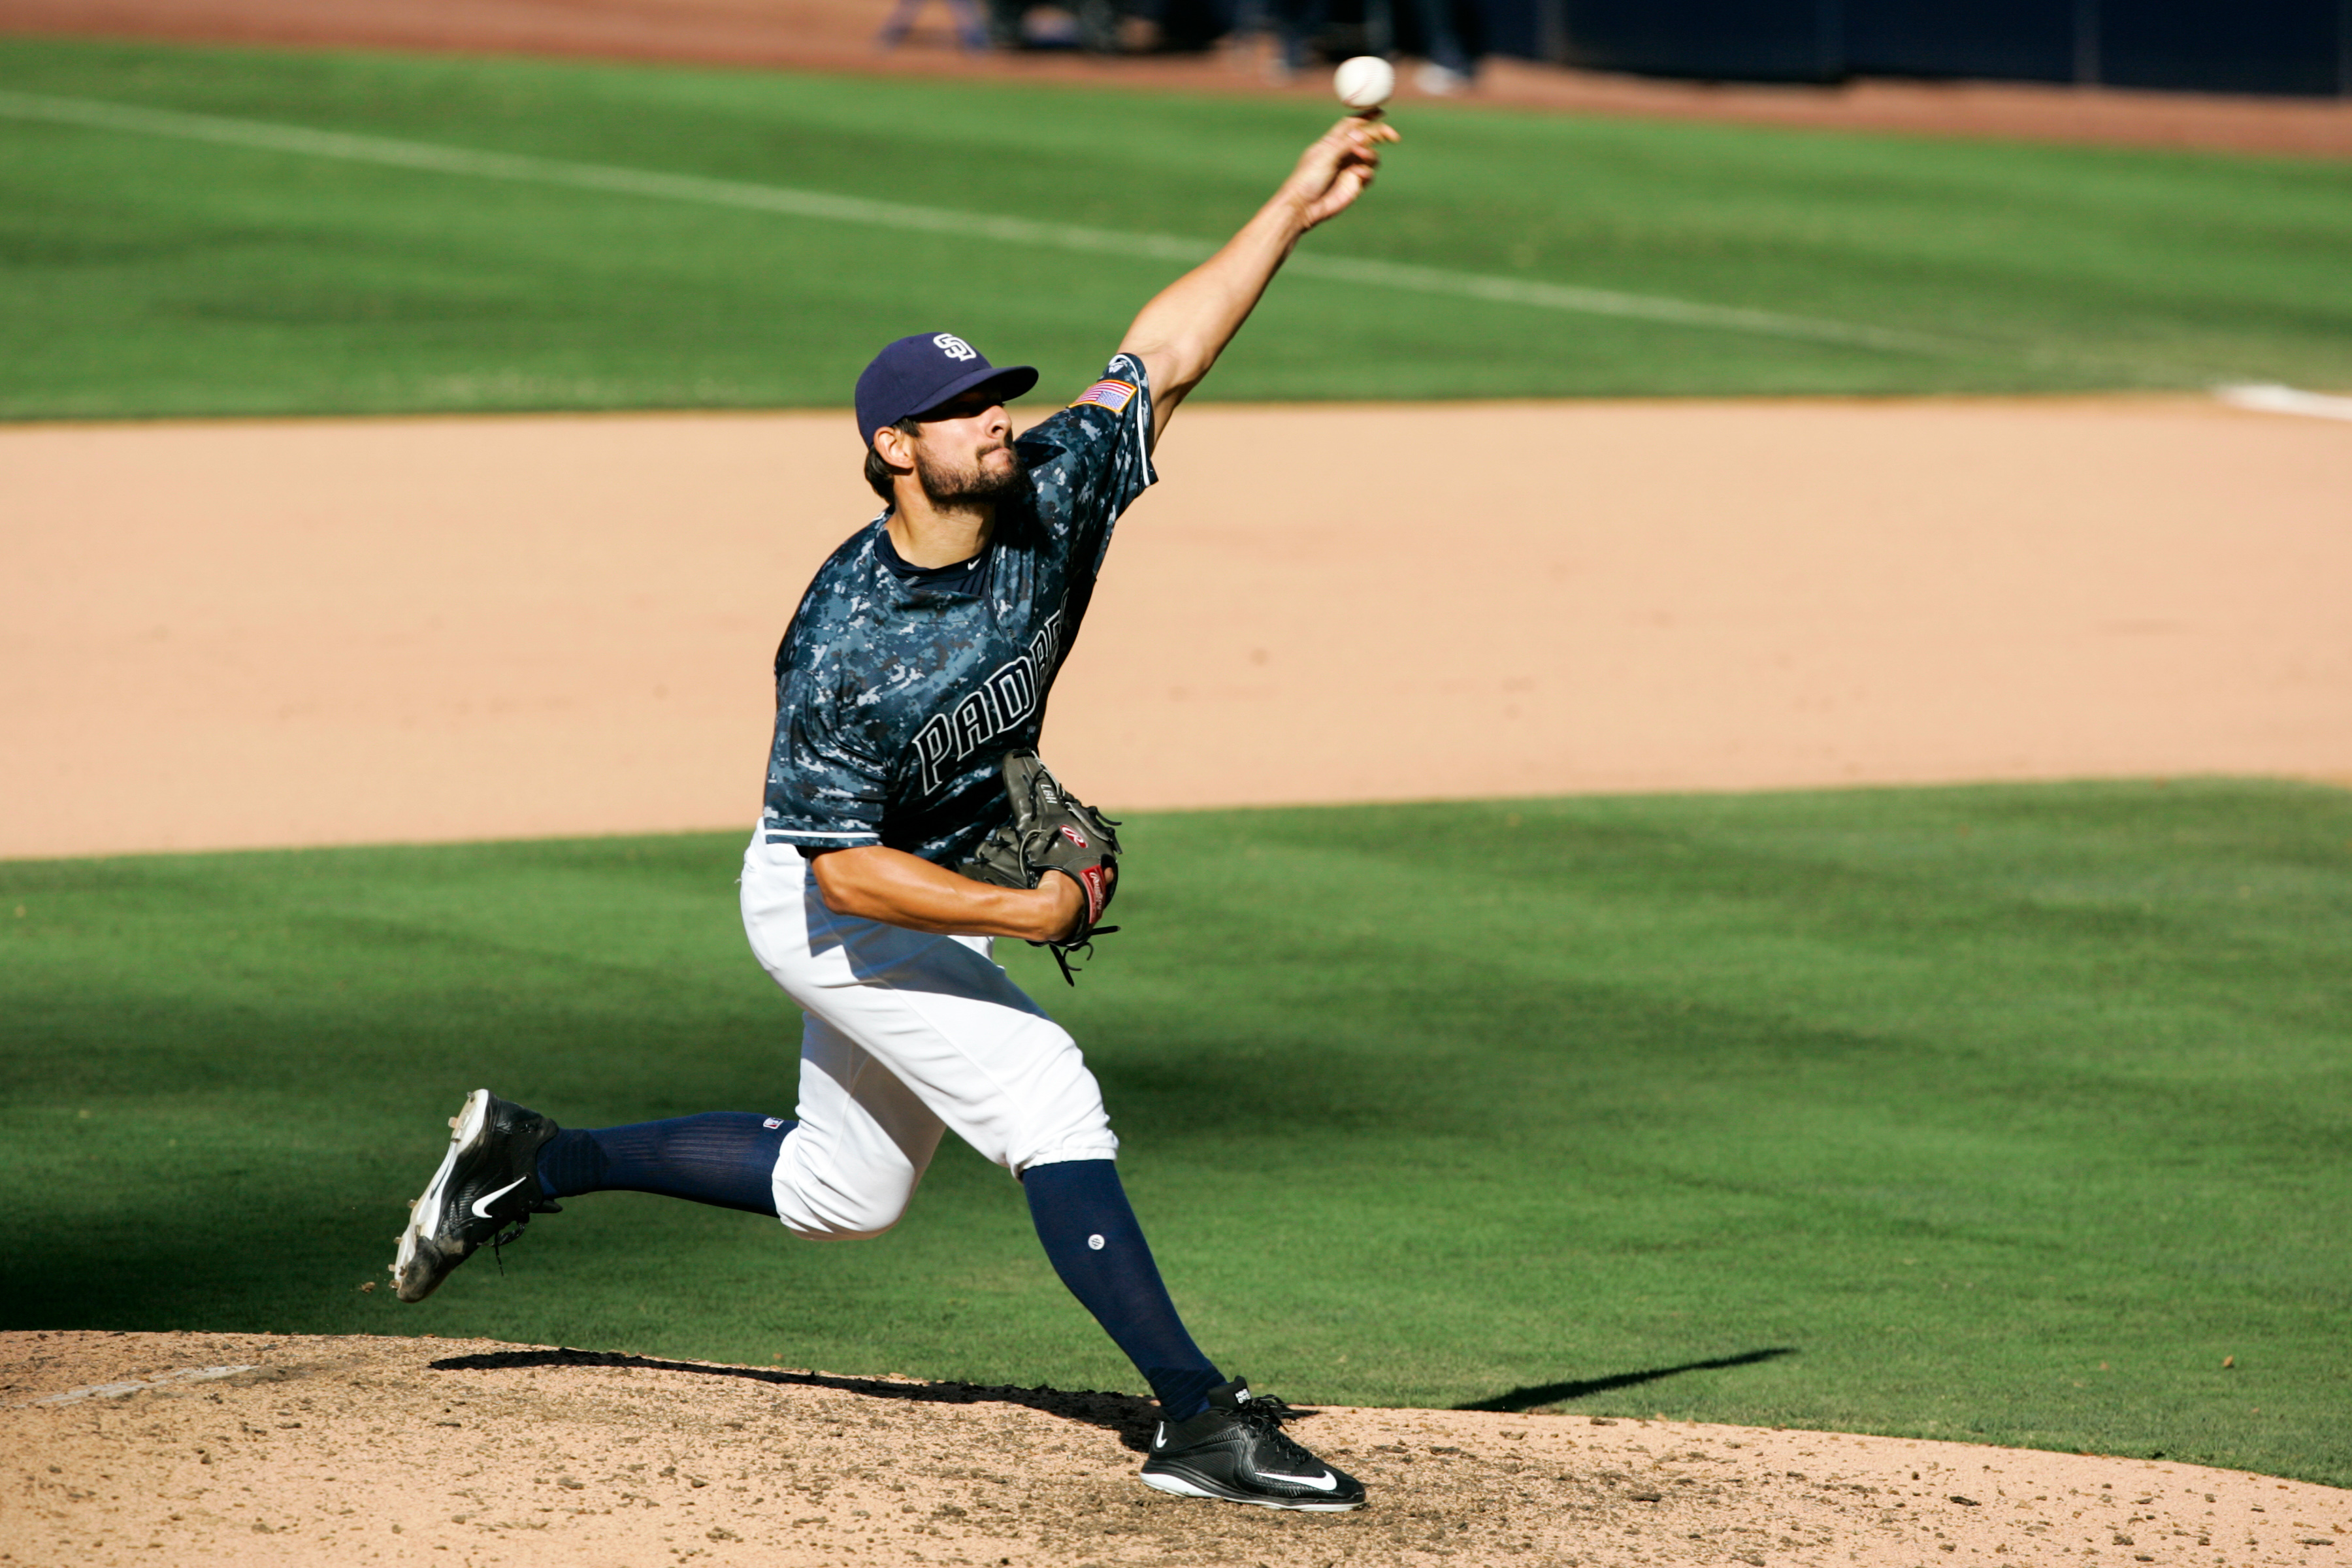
[(2008, 1112), (1503, 255), (311, 142)]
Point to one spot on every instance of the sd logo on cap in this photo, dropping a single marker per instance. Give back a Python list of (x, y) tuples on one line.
[(924, 371)]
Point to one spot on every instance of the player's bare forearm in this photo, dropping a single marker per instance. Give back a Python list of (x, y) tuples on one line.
[(1179, 335), (902, 890)]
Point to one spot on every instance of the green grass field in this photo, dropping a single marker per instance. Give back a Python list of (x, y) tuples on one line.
[(2001, 1113), (155, 275)]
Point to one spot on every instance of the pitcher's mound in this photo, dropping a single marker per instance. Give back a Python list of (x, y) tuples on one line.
[(200, 1448)]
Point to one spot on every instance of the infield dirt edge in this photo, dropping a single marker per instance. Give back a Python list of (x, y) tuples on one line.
[(454, 1451)]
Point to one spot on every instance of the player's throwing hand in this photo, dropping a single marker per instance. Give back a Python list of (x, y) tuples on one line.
[(1335, 171)]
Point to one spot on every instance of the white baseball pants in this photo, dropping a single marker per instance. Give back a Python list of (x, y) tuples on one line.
[(908, 1035)]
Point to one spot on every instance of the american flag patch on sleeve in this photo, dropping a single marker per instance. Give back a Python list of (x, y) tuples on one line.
[(1114, 395)]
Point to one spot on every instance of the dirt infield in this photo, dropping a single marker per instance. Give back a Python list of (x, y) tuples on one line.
[(839, 36), (261, 634), (218, 1448)]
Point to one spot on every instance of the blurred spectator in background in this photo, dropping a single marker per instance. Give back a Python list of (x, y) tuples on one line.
[(1109, 26), (1317, 32), (1306, 33), (1447, 67), (1097, 33), (969, 32)]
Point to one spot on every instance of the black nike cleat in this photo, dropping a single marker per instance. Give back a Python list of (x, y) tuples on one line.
[(1236, 1450), (485, 1192)]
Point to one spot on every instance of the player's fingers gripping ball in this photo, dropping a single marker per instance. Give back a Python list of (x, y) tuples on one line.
[(1051, 830), (1364, 82)]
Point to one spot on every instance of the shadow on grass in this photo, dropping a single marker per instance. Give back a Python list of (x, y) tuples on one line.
[(1131, 1418), (1527, 1398)]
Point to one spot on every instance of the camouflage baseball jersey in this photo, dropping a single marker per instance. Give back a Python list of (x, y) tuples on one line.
[(899, 690)]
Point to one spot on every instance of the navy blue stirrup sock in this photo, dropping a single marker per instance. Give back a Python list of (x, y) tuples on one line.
[(725, 1158), (1097, 1249)]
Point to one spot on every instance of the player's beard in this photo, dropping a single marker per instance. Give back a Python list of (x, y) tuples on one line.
[(960, 484)]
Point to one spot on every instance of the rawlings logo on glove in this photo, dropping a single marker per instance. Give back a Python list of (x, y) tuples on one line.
[(1050, 831)]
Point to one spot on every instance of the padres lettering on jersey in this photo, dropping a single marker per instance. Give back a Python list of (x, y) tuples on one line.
[(1005, 701), (899, 690)]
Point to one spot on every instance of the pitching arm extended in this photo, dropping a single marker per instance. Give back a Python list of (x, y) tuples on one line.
[(1179, 335)]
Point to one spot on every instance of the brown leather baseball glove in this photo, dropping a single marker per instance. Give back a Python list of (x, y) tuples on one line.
[(1051, 830)]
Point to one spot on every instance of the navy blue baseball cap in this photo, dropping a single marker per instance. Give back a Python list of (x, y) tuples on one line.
[(925, 371)]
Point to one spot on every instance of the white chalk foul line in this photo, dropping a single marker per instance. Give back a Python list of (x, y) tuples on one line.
[(98, 114), (2264, 397), (117, 1389)]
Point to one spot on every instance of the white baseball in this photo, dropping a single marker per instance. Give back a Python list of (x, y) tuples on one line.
[(1364, 82)]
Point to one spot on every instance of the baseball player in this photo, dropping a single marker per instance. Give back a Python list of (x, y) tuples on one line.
[(908, 824)]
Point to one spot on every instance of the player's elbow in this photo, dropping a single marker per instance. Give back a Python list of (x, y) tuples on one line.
[(1175, 364), (838, 886)]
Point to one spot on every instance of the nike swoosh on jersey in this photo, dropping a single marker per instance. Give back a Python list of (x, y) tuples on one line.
[(1326, 1482), (482, 1204)]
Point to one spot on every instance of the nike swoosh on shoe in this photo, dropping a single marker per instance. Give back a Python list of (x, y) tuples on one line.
[(482, 1204), (1326, 1482)]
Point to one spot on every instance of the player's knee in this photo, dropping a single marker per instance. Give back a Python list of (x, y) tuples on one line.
[(842, 1202), (842, 1227), (833, 1217)]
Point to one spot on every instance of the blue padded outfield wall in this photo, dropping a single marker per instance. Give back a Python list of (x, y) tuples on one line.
[(2302, 46)]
